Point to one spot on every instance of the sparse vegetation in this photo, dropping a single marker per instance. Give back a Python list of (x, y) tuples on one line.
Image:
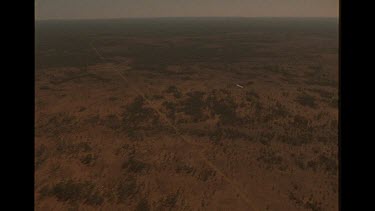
[(44, 87), (297, 138), (143, 205), (334, 125), (41, 155), (265, 137), (223, 106), (251, 96), (318, 79), (126, 189), (194, 105), (328, 164), (171, 110), (81, 109), (138, 118), (279, 111), (74, 191), (334, 102), (107, 135), (307, 204), (231, 133), (68, 148), (206, 174), (300, 122), (112, 98), (323, 93), (216, 135), (59, 124), (306, 100), (88, 159), (134, 165), (112, 121), (156, 97), (92, 120), (182, 168), (270, 158), (173, 90), (169, 201)]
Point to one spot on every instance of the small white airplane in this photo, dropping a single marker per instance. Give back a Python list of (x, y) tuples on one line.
[(239, 86)]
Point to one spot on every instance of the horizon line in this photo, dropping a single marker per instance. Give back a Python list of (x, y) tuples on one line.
[(156, 17)]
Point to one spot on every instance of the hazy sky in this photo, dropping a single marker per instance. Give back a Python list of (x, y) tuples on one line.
[(77, 9)]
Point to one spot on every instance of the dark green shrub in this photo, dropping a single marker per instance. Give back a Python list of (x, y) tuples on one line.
[(206, 174), (224, 106), (173, 90), (170, 200), (73, 191), (194, 105), (138, 119), (88, 159), (305, 99), (171, 110), (270, 158), (252, 96), (143, 205), (135, 166), (126, 189)]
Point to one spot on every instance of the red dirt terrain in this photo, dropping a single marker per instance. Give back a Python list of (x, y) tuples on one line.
[(237, 117)]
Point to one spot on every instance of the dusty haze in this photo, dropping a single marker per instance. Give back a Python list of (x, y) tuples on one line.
[(98, 9)]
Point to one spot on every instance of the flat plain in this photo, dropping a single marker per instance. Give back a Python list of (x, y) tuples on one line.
[(187, 114)]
